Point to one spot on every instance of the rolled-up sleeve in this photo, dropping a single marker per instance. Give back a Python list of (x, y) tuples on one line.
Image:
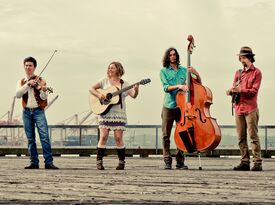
[(164, 81)]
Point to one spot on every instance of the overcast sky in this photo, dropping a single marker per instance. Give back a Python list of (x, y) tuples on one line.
[(89, 34)]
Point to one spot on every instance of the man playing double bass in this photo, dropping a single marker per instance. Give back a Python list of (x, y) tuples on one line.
[(173, 77), (244, 93)]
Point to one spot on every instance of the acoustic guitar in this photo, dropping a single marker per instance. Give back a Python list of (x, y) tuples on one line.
[(112, 94)]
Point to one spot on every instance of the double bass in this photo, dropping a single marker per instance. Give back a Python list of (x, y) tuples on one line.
[(195, 129)]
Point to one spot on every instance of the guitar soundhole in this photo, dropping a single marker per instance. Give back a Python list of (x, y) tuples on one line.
[(109, 96)]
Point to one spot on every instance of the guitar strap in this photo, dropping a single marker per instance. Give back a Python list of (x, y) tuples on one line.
[(120, 95)]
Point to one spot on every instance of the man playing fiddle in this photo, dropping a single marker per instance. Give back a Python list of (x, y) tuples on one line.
[(33, 91)]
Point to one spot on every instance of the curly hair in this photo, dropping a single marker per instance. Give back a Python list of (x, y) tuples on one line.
[(166, 61)]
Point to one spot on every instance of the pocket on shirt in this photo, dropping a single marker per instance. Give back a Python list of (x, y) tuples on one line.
[(171, 80)]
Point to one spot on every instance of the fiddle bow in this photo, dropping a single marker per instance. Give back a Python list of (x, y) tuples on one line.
[(39, 83)]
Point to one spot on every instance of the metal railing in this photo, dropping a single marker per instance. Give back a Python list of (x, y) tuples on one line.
[(135, 136)]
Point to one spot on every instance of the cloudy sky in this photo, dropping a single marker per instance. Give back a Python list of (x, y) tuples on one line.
[(89, 34)]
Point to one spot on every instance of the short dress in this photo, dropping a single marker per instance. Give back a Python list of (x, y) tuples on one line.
[(115, 118)]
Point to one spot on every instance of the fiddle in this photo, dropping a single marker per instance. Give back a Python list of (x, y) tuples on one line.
[(39, 84)]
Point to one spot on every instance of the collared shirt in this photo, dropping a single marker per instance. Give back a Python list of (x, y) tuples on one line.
[(169, 77), (250, 85), (21, 90)]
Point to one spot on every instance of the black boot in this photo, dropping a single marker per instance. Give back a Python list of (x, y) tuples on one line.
[(166, 153), (242, 167), (257, 167), (121, 157), (99, 158)]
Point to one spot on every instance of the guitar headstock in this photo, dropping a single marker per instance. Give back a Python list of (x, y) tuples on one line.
[(145, 81), (191, 44)]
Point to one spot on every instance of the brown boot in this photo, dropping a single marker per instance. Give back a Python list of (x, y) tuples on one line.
[(121, 157), (99, 158)]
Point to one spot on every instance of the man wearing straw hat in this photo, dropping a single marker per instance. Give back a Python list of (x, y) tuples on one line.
[(244, 94)]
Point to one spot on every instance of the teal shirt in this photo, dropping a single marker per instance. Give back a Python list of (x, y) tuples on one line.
[(168, 77)]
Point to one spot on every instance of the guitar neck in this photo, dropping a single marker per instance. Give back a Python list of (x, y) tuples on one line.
[(124, 89)]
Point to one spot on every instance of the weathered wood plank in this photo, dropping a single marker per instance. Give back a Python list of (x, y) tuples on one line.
[(143, 182)]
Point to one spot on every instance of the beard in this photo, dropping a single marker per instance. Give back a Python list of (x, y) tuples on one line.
[(244, 64)]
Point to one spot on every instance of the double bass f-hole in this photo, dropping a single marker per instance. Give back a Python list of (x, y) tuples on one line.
[(200, 115), (192, 117)]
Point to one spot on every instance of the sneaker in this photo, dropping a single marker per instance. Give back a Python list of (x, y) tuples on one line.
[(181, 165), (242, 167), (257, 167), (168, 166)]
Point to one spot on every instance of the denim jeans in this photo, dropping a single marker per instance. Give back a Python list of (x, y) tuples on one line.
[(37, 118)]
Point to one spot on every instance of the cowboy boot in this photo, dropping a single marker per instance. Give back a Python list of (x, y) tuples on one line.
[(121, 157), (99, 158)]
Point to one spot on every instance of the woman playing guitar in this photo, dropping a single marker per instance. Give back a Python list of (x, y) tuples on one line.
[(115, 118)]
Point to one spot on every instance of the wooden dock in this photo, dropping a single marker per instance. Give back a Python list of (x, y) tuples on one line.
[(144, 181)]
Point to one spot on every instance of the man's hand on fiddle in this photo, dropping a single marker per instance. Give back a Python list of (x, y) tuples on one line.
[(32, 83)]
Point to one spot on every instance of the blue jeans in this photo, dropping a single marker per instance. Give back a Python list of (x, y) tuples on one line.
[(37, 118)]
